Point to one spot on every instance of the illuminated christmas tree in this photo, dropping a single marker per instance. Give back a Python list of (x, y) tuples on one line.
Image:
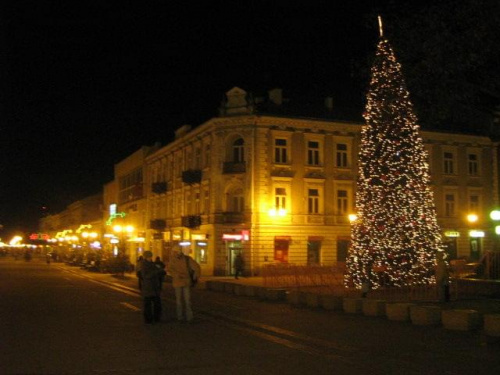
[(395, 236)]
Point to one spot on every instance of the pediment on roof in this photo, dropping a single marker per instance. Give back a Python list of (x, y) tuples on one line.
[(235, 91)]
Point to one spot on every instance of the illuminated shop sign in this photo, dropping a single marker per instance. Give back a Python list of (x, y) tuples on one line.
[(39, 236), (476, 233), (243, 236), (451, 233)]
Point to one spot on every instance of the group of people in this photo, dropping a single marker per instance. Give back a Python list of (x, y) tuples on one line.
[(184, 271)]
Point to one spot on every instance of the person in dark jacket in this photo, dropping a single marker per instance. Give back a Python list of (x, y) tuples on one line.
[(151, 289), (239, 264), (138, 271), (160, 265)]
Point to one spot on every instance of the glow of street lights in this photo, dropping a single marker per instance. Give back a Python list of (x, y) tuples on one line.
[(472, 218), (280, 212), (495, 215)]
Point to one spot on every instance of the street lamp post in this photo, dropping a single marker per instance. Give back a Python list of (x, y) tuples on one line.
[(123, 232)]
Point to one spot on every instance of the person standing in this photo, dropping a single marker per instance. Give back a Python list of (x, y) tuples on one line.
[(138, 271), (179, 268), (239, 264), (161, 266), (442, 277), (151, 289)]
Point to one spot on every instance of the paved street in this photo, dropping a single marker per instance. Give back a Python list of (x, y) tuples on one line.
[(56, 319)]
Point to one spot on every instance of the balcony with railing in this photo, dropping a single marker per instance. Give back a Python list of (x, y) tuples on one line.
[(158, 224), (233, 168), (191, 221), (232, 217), (159, 187), (192, 176)]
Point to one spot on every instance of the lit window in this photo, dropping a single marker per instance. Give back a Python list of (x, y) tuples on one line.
[(313, 201), (449, 167), (280, 198), (238, 151), (474, 203), (313, 153), (449, 205), (341, 156), (473, 166), (342, 202), (280, 151)]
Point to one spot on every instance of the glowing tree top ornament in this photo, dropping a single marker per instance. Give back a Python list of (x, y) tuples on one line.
[(395, 236)]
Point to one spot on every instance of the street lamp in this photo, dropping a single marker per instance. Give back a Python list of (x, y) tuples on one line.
[(123, 231), (472, 218)]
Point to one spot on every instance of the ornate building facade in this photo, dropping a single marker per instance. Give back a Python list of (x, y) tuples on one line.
[(280, 189)]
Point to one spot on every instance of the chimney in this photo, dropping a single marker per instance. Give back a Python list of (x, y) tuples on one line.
[(329, 103), (276, 96)]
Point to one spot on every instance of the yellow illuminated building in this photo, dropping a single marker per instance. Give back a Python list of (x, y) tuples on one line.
[(281, 189)]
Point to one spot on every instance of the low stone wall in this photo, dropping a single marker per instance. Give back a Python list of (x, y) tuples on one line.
[(461, 320), (353, 305), (374, 307), (425, 315), (398, 311), (331, 302)]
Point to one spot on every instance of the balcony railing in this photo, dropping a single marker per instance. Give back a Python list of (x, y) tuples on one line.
[(191, 176), (191, 221), (231, 167), (159, 187), (232, 217), (158, 224)]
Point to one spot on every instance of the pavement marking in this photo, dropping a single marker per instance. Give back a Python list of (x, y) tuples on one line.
[(130, 306)]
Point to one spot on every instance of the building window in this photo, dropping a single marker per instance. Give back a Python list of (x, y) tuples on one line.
[(197, 206), (280, 151), (472, 164), (281, 249), (206, 201), (313, 153), (197, 158), (236, 201), (343, 245), (449, 205), (207, 155), (342, 202), (313, 201), (341, 156), (280, 198), (188, 203), (313, 252), (474, 203), (449, 167), (187, 160), (238, 151)]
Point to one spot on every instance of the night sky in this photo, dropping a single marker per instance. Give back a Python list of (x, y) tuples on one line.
[(87, 83)]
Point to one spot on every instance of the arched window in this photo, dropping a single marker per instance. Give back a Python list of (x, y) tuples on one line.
[(238, 151), (235, 200)]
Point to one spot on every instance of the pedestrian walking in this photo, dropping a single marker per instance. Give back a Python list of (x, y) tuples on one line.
[(183, 270), (161, 266), (151, 289), (442, 277), (138, 271), (239, 265)]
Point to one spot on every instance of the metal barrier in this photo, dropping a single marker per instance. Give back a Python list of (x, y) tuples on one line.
[(302, 277)]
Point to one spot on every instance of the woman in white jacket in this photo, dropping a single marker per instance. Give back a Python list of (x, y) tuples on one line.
[(179, 268)]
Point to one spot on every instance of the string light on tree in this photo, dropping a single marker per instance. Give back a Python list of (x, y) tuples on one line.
[(395, 236)]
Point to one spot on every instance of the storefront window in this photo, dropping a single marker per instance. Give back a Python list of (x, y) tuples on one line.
[(281, 249), (200, 251)]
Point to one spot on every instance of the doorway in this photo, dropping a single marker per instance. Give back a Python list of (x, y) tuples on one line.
[(233, 249)]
